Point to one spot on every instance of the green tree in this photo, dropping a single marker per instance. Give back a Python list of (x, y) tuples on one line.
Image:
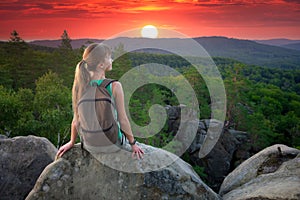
[(26, 124), (9, 106), (16, 50), (236, 86), (53, 106), (65, 58), (270, 106), (200, 88), (261, 130), (15, 37), (289, 128), (65, 41)]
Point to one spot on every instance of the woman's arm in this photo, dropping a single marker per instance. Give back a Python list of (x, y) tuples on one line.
[(123, 119), (74, 132), (122, 116), (72, 141)]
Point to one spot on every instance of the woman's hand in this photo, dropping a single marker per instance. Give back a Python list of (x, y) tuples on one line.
[(136, 150), (63, 149)]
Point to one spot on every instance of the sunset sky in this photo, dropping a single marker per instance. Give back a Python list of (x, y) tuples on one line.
[(244, 19)]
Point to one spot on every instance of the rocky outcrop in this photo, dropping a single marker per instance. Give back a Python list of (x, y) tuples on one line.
[(217, 164), (79, 175), (273, 173), (228, 151), (218, 151), (22, 159)]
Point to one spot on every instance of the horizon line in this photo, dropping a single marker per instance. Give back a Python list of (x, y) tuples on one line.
[(212, 36)]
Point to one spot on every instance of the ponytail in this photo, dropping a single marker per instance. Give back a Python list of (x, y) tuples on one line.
[(81, 82), (93, 55)]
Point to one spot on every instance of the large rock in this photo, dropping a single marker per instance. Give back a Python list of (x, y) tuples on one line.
[(217, 164), (220, 161), (273, 173), (22, 159), (79, 175), (217, 149)]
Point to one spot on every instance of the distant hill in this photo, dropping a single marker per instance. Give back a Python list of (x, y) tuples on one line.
[(47, 43), (277, 42), (251, 52), (286, 43), (295, 46), (246, 51), (76, 43)]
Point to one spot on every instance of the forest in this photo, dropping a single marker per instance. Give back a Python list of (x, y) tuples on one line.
[(36, 82)]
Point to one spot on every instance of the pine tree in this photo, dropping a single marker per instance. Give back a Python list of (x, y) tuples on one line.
[(17, 49), (65, 41), (14, 37)]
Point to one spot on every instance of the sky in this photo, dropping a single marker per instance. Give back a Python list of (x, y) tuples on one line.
[(101, 19)]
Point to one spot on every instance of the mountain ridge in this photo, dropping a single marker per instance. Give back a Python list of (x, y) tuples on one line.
[(246, 51), (282, 42), (277, 41)]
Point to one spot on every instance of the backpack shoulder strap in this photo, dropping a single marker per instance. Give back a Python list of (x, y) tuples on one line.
[(106, 82)]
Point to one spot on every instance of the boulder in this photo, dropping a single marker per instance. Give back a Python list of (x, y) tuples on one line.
[(173, 113), (273, 173), (81, 175), (22, 159), (3, 137), (220, 161), (217, 164), (215, 148)]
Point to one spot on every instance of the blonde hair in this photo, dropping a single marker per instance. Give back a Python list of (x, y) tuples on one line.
[(93, 55)]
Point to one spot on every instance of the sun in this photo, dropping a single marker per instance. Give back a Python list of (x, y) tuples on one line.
[(149, 31)]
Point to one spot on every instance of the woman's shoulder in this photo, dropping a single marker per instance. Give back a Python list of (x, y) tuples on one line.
[(117, 87), (116, 83)]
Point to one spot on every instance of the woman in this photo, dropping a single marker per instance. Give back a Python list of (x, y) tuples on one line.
[(96, 61)]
